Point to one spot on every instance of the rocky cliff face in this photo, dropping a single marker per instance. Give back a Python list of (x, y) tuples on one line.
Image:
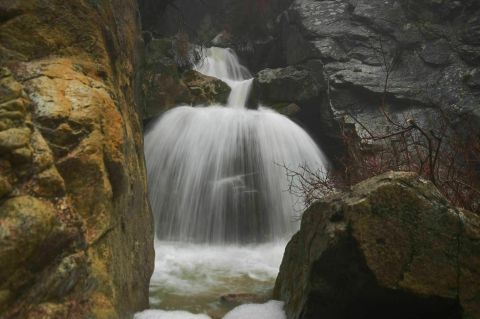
[(392, 247), (423, 56), (75, 225)]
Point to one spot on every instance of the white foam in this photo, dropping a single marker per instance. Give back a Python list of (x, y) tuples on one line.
[(182, 268), (270, 310), (161, 314)]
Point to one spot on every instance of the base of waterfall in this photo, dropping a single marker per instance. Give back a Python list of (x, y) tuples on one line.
[(217, 174), (219, 192), (191, 279), (270, 310)]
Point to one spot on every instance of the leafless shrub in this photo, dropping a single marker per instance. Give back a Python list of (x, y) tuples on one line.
[(448, 155), (310, 185)]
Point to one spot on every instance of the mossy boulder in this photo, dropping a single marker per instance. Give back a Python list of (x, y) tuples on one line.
[(392, 247), (205, 89)]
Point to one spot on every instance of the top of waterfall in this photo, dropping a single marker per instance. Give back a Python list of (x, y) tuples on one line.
[(224, 64)]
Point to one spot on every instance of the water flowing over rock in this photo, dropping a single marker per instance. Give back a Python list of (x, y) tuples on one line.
[(215, 172), (76, 239), (166, 83), (392, 247)]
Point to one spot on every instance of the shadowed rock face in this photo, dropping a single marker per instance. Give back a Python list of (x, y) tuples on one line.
[(76, 235), (393, 247)]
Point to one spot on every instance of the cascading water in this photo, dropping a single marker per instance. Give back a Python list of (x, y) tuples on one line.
[(216, 181), (215, 173)]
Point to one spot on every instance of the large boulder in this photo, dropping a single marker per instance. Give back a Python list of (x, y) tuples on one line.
[(76, 237), (392, 247), (290, 84)]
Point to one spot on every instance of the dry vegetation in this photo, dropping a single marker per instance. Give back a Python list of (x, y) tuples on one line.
[(448, 154)]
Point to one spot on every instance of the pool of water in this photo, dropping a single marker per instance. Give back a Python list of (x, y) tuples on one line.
[(193, 278)]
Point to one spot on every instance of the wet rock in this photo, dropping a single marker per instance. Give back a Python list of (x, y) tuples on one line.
[(473, 78), (299, 92), (399, 250), (290, 84), (205, 90), (287, 109), (471, 32), (430, 47), (166, 83), (437, 53)]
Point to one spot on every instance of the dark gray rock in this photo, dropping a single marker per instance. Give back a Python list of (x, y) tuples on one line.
[(473, 78), (436, 53), (290, 84), (425, 48), (300, 92)]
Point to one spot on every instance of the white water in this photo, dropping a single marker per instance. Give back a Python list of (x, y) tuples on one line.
[(215, 172), (270, 310), (193, 276), (220, 200), (223, 64)]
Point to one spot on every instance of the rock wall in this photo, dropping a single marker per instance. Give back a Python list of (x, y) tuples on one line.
[(76, 238), (392, 247), (423, 54)]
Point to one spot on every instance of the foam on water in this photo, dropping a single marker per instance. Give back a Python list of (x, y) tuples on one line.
[(194, 277), (270, 310)]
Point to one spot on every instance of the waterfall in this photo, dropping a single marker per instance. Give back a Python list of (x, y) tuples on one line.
[(223, 64), (215, 172)]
